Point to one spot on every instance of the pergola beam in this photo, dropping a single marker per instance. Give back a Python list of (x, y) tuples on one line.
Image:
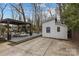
[(15, 22)]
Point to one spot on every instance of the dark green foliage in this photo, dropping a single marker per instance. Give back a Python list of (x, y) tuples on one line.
[(70, 15)]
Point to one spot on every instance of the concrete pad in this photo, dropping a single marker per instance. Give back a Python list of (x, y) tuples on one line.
[(27, 45), (39, 48), (59, 48), (12, 52), (4, 47)]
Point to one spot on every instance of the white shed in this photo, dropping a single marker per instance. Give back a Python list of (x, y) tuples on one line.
[(54, 30)]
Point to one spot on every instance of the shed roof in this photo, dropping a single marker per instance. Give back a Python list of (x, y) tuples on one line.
[(12, 21), (56, 23)]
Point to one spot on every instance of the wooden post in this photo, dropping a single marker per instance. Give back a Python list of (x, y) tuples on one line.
[(8, 32), (18, 28), (30, 29)]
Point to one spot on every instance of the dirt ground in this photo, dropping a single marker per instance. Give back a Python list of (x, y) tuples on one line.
[(41, 47)]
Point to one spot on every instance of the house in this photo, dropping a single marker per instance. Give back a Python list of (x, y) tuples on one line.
[(53, 28)]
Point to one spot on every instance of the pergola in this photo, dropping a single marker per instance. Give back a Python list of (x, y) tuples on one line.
[(9, 21)]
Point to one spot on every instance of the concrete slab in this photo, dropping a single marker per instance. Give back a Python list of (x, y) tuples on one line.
[(40, 47), (61, 48), (12, 52)]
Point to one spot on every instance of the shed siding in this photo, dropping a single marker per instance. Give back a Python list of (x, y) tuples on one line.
[(53, 31)]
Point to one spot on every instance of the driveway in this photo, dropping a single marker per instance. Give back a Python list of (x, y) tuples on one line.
[(40, 47)]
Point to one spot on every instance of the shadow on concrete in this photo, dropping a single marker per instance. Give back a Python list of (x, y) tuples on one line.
[(2, 41), (75, 42)]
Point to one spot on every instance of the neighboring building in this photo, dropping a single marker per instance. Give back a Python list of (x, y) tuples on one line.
[(54, 28)]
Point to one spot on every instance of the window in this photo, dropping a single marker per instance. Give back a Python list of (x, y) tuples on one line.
[(58, 29), (47, 29)]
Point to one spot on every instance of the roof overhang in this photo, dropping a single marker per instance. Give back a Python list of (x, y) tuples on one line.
[(12, 21)]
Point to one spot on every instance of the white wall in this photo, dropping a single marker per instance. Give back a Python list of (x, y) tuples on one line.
[(53, 31)]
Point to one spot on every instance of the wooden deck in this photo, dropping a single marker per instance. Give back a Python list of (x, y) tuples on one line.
[(25, 38)]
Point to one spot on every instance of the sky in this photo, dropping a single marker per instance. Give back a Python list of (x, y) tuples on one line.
[(28, 8)]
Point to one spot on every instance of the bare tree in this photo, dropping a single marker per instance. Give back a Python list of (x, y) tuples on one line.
[(2, 8), (14, 14), (19, 8), (60, 10), (37, 15), (21, 12)]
